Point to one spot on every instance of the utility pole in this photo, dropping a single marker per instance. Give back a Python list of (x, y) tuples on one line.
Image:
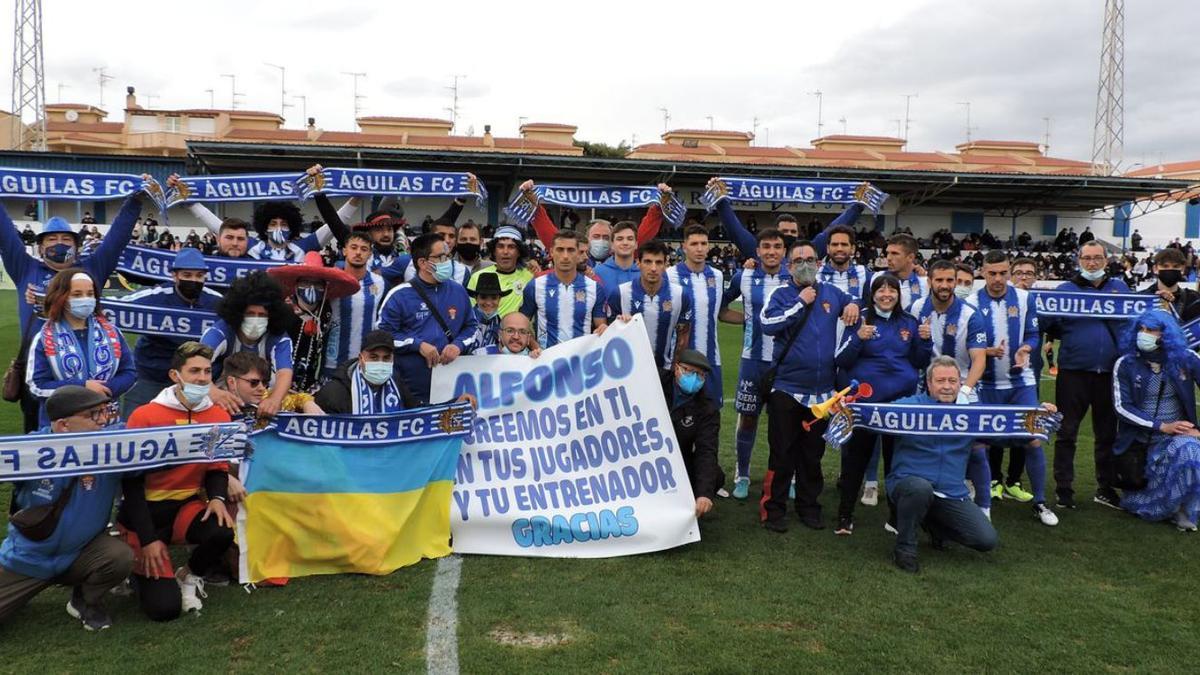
[(103, 78), (454, 105), (357, 98), (820, 125), (233, 92), (907, 120), (666, 119), (283, 104), (967, 104)]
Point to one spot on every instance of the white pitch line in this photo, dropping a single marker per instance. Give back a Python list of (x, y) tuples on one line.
[(441, 630)]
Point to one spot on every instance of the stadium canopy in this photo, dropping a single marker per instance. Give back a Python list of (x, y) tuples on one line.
[(996, 193)]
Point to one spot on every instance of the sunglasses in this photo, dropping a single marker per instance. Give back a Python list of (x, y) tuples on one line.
[(254, 382)]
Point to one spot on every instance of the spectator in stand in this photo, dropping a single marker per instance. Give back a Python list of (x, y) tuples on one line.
[(193, 239), (87, 218), (31, 211), (27, 236), (1136, 240), (165, 240)]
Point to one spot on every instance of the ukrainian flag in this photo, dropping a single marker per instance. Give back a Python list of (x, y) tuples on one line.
[(362, 494)]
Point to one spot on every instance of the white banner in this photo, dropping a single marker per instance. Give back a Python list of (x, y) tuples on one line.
[(571, 455)]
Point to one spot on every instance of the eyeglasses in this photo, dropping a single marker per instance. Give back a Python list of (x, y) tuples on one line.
[(798, 261), (516, 331), (98, 415), (1092, 258), (438, 258), (254, 382)]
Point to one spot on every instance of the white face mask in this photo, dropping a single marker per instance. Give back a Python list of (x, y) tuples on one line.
[(963, 292), (254, 327)]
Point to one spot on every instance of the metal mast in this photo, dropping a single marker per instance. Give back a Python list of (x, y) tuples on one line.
[(1109, 132), (28, 77)]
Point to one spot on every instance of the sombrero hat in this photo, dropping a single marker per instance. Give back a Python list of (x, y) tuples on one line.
[(338, 283), (393, 218)]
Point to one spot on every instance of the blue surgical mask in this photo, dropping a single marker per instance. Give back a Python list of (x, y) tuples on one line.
[(443, 270), (963, 292), (279, 236), (1092, 276), (60, 253), (81, 308), (194, 393), (690, 383), (1147, 342), (488, 316), (377, 372), (599, 248)]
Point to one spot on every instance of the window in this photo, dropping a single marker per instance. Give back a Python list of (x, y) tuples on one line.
[(202, 125), (173, 124), (141, 124)]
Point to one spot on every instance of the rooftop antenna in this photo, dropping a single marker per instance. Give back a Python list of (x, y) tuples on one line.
[(907, 120), (233, 92), (754, 132), (842, 119), (357, 97), (103, 78), (710, 122), (283, 104), (820, 125), (454, 105), (666, 119), (1046, 138), (968, 107), (212, 98)]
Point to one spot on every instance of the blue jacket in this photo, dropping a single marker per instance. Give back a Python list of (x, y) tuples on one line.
[(941, 460), (29, 272), (808, 368), (153, 352), (410, 321), (747, 243), (1087, 344), (1134, 399), (84, 517), (891, 362), (613, 275)]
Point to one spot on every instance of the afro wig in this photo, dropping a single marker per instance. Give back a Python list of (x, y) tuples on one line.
[(257, 288), (265, 212)]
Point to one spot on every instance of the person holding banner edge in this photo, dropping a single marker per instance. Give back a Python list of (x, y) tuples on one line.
[(1087, 350), (78, 551), (802, 316), (77, 344), (152, 355), (1170, 267)]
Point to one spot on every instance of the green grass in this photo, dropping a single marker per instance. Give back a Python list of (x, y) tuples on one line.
[(1103, 591)]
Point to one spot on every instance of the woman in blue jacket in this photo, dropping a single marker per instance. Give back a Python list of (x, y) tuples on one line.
[(77, 344), (888, 349), (1154, 393)]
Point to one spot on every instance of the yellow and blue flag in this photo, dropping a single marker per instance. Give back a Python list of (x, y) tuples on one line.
[(363, 494)]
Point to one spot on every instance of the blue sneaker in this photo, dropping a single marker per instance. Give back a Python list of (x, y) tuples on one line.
[(792, 491), (741, 488)]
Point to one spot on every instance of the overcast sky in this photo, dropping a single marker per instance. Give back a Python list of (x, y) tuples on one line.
[(610, 69)]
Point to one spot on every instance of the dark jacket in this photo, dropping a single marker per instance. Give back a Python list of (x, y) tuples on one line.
[(1087, 344), (1135, 401), (335, 399), (1186, 305), (697, 422)]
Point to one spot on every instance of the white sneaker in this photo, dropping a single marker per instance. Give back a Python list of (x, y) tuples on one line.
[(887, 527), (970, 490), (987, 513), (1045, 515), (191, 589), (870, 496), (1182, 523)]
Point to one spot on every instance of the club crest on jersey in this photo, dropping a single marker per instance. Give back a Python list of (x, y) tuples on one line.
[(453, 312), (88, 483), (826, 306), (666, 306), (905, 334), (952, 329), (853, 283), (579, 296), (712, 282), (1012, 311)]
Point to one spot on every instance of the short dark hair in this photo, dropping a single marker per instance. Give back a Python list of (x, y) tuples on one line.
[(904, 241), (622, 226), (798, 243), (423, 245), (360, 236), (568, 234), (785, 218), (188, 350), (470, 226), (653, 247), (233, 224), (238, 364), (964, 267), (768, 233), (995, 256), (694, 229), (942, 265), (842, 229), (1024, 260), (1170, 256), (444, 222)]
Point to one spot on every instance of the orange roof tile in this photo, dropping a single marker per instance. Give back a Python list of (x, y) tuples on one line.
[(676, 149), (916, 157), (93, 127), (712, 132), (851, 137), (990, 159), (1173, 167), (269, 134), (385, 118)]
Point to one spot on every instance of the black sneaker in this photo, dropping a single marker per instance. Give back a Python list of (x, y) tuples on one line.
[(94, 617), (775, 525), (1107, 496), (905, 562), (1066, 501), (845, 526), (812, 521)]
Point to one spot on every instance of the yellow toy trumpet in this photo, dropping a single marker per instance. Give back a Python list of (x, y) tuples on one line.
[(834, 403)]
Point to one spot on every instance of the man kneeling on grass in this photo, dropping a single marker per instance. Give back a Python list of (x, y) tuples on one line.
[(926, 481)]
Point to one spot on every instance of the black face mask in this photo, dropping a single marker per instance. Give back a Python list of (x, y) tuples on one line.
[(190, 290), (1170, 278), (788, 240), (467, 251)]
